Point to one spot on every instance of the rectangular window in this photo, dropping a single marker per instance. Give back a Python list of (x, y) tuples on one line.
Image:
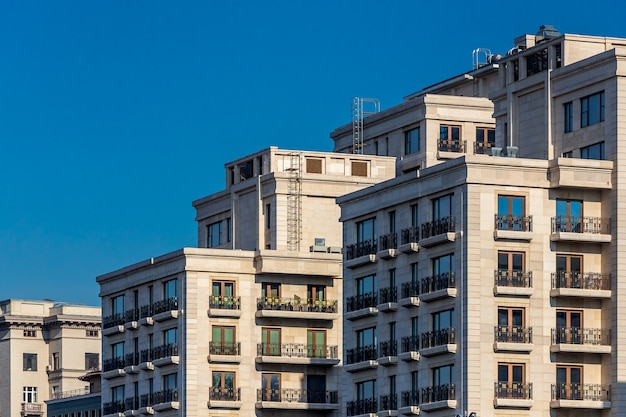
[(117, 350), (30, 361), (117, 305), (92, 333), (246, 170), (366, 285), (511, 213), (592, 109), (30, 333), (510, 269), (595, 151), (569, 216), (270, 290), (392, 221), (223, 340), (313, 165), (223, 385), (170, 289), (414, 218), (569, 326), (56, 361), (170, 381), (223, 294), (366, 230), (270, 341), (359, 169), (442, 207), (229, 230), (92, 361), (443, 320), (450, 139), (29, 394), (412, 141), (268, 216), (510, 380), (169, 336), (443, 375), (270, 387), (569, 382), (117, 394), (568, 115), (214, 235), (366, 337), (316, 343), (366, 390), (485, 139)]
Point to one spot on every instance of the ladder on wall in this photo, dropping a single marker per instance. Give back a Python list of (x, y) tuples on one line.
[(358, 113), (294, 203)]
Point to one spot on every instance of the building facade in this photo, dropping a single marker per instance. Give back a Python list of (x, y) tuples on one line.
[(248, 323), (487, 280), (44, 347)]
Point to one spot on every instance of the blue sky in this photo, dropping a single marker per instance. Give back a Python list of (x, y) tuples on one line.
[(115, 115)]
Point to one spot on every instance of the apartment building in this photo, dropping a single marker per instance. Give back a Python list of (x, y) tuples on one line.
[(249, 323), (44, 347), (484, 279)]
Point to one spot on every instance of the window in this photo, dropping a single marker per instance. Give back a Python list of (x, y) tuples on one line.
[(592, 109), (443, 320), (359, 169), (366, 230), (537, 63), (569, 326), (568, 271), (117, 305), (366, 286), (316, 293), (246, 170), (450, 138), (366, 390), (270, 342), (169, 336), (510, 269), (223, 340), (117, 350), (170, 381), (92, 361), (412, 141), (29, 394), (511, 213), (511, 325), (30, 333), (117, 394), (56, 361), (510, 380), (270, 290), (569, 382), (316, 343), (569, 216), (223, 293), (485, 139), (442, 207), (170, 289), (443, 265), (392, 221), (268, 217), (92, 332), (270, 387), (313, 165), (214, 235), (593, 151), (443, 375), (366, 338), (568, 115), (30, 361), (414, 218), (223, 385)]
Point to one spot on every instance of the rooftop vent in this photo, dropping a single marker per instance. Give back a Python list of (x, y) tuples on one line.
[(547, 32)]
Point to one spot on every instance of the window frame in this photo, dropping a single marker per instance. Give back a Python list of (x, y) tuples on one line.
[(589, 152), (588, 117), (214, 234), (412, 143), (568, 117), (92, 358), (29, 359), (29, 394)]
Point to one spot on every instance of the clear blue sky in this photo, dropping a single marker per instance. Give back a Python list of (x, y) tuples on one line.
[(115, 115)]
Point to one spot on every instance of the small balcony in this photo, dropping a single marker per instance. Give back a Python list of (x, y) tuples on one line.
[(297, 354), (361, 358), (227, 352), (437, 232), (32, 409), (450, 148), (161, 355), (438, 342), (388, 353), (113, 324), (113, 368), (410, 347), (579, 284), (224, 306), (409, 239), (438, 398), (220, 397), (296, 399), (409, 293), (410, 403), (296, 308), (367, 406), (581, 229), (361, 305), (483, 148), (513, 339), (388, 405), (509, 227), (361, 253), (580, 340), (438, 286), (582, 396), (113, 408), (165, 400), (131, 318), (131, 404), (387, 299), (159, 311), (513, 395), (131, 363), (513, 282), (387, 245)]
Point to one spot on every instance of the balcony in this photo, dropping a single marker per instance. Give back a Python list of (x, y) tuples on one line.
[(512, 395), (580, 340), (438, 398), (224, 306), (438, 342), (131, 363), (131, 406), (112, 368), (513, 282), (483, 148), (388, 299), (165, 400), (367, 406), (410, 347), (581, 229), (450, 148), (387, 405), (361, 253), (438, 286), (582, 396), (388, 353), (297, 354), (410, 403), (437, 232), (409, 239), (297, 399), (361, 305), (115, 408), (578, 284), (113, 324), (387, 245), (509, 227), (409, 293), (220, 397), (513, 339), (224, 352), (361, 358), (32, 409), (72, 393), (160, 356), (131, 317), (296, 308)]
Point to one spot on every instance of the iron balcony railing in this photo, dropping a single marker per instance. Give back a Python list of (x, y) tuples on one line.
[(159, 352), (576, 391), (581, 336), (366, 247), (438, 393), (409, 235), (113, 320), (131, 359), (131, 403), (438, 338), (513, 390), (581, 280), (357, 302), (388, 348), (365, 406), (161, 306), (482, 148), (225, 348), (388, 295), (577, 224), (113, 363), (360, 354), (223, 302), (146, 400), (297, 350), (293, 395), (513, 334), (388, 241), (452, 145), (132, 315), (165, 396), (514, 223), (113, 407), (71, 393), (310, 305), (225, 394), (388, 402), (410, 289), (438, 227), (513, 278), (438, 282), (410, 344), (410, 398)]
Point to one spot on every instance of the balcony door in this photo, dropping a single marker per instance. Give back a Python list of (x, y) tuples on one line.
[(569, 382), (569, 325), (510, 324), (510, 268), (569, 270), (316, 343), (223, 386), (510, 212), (223, 340), (316, 388), (271, 342), (510, 380), (270, 387), (569, 215)]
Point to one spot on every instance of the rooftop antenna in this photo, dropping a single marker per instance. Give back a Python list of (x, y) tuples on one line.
[(358, 113)]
